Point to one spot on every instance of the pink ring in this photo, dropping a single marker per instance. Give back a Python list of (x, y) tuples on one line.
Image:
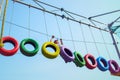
[(88, 57)]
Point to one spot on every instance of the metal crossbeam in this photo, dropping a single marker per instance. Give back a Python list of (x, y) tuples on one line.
[(63, 16)]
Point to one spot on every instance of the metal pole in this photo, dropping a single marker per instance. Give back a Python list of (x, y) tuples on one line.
[(104, 14), (114, 42)]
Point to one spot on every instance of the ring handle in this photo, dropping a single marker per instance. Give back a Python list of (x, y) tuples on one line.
[(88, 58), (27, 52), (66, 54), (11, 52), (115, 65), (79, 60), (102, 64), (49, 54)]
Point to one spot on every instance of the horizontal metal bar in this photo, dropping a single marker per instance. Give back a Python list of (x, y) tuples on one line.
[(105, 13), (89, 25)]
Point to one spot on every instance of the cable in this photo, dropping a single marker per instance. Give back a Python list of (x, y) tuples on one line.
[(60, 15), (45, 25), (94, 41), (58, 26), (68, 12), (105, 45), (71, 34), (84, 38), (9, 22), (12, 13), (39, 4), (27, 28), (29, 23), (103, 40)]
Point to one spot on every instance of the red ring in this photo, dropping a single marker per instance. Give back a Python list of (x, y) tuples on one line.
[(11, 52), (88, 57)]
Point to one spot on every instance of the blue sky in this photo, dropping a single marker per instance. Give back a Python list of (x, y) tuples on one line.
[(20, 67)]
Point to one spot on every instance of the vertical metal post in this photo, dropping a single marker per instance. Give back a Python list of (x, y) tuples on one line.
[(114, 42)]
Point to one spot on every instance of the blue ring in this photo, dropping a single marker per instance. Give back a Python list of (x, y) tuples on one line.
[(105, 63)]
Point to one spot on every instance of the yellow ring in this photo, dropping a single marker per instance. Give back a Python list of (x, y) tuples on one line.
[(49, 54)]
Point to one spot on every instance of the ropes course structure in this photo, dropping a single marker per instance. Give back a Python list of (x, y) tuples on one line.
[(56, 42), (72, 19)]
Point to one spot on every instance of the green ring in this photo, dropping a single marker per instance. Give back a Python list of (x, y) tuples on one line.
[(27, 52), (79, 60)]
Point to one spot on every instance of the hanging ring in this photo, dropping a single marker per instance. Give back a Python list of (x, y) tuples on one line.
[(79, 60), (116, 66), (11, 52), (92, 59), (49, 54), (104, 66), (117, 73), (66, 54), (27, 52)]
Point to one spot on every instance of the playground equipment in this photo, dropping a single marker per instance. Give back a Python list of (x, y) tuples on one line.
[(66, 53)]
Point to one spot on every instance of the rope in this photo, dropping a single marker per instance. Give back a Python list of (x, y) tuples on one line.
[(29, 23), (11, 19), (71, 35), (94, 41), (105, 45), (24, 27), (83, 37), (103, 40), (58, 26), (3, 21), (46, 25)]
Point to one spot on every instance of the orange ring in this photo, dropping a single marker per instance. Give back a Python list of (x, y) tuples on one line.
[(11, 52)]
